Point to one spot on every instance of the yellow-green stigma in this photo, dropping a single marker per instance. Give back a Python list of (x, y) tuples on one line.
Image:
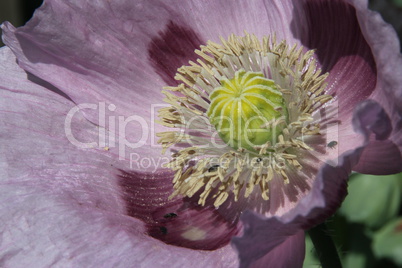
[(243, 107)]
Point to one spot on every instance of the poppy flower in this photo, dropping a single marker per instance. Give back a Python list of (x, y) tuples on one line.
[(85, 182)]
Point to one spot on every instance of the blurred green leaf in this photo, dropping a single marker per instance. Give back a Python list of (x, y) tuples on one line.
[(359, 254), (388, 241), (397, 2), (311, 259), (372, 200)]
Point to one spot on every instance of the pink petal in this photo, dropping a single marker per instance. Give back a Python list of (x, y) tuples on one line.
[(380, 158), (100, 53), (45, 230), (342, 50), (95, 52), (61, 205), (362, 62), (369, 117), (385, 46), (214, 19), (333, 30), (68, 45), (288, 254)]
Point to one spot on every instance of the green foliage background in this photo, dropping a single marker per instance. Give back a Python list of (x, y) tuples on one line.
[(367, 229)]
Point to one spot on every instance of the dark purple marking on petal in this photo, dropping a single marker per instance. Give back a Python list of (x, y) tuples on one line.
[(333, 31), (192, 226), (369, 116), (145, 193), (173, 48), (380, 158)]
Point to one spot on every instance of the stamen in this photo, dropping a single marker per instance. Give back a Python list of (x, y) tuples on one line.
[(234, 89)]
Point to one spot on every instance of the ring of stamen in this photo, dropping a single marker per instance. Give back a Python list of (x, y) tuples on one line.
[(213, 165)]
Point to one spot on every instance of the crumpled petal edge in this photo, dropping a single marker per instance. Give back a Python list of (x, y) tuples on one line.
[(261, 235)]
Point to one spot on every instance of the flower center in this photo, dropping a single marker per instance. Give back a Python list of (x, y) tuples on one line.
[(244, 118), (243, 106)]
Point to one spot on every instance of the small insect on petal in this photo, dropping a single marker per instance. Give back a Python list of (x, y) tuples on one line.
[(163, 230), (213, 168), (332, 144), (170, 215)]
